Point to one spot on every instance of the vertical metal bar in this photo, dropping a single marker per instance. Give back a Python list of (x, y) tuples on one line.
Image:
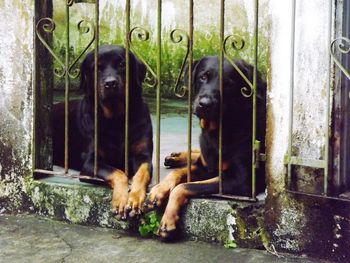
[(221, 69), (190, 60), (66, 95), (127, 84), (97, 17), (326, 169), (291, 97), (159, 61), (254, 143)]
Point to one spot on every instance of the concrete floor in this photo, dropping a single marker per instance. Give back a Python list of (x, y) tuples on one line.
[(29, 238)]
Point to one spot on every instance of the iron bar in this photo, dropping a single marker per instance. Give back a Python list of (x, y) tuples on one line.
[(66, 92), (236, 197), (97, 17), (190, 90), (291, 96), (255, 144), (293, 160), (318, 196), (65, 175), (127, 85), (327, 133), (158, 98), (221, 74)]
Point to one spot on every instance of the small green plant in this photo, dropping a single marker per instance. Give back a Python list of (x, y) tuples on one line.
[(150, 224), (230, 244)]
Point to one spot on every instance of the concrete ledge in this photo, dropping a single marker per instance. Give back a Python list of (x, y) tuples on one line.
[(203, 219)]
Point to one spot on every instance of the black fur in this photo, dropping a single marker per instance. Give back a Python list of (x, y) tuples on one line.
[(237, 124), (111, 123)]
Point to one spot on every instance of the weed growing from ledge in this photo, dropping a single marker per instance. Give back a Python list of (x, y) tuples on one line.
[(149, 224), (230, 244)]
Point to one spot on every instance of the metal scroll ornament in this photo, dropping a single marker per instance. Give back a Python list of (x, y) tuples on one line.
[(47, 25), (342, 45), (143, 35), (177, 36), (237, 43)]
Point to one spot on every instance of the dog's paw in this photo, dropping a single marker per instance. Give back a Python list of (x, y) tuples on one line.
[(136, 201), (167, 230), (157, 196), (177, 159), (119, 203)]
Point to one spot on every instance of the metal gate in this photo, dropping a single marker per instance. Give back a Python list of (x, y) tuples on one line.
[(45, 27)]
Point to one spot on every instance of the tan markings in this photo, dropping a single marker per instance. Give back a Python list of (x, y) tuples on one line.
[(140, 146), (178, 198), (107, 112), (160, 192), (139, 185), (119, 182), (208, 125), (203, 123), (225, 166)]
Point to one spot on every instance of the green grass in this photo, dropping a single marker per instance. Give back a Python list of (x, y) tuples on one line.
[(172, 54)]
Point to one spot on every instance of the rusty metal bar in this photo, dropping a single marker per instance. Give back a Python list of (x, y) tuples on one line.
[(236, 197), (127, 84), (66, 93), (63, 174), (158, 98), (221, 74), (328, 103), (255, 143), (318, 196), (291, 97), (97, 35), (190, 90)]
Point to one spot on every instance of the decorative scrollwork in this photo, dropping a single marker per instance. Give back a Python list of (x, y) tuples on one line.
[(143, 35), (48, 26), (84, 27), (341, 44), (177, 36), (70, 2), (238, 43)]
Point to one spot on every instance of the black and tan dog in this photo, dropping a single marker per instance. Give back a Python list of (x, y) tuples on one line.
[(111, 128), (237, 144)]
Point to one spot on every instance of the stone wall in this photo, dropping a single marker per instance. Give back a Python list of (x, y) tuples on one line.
[(298, 223), (16, 100)]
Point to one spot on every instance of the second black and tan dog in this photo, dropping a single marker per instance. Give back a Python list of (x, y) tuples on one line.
[(237, 143), (111, 128)]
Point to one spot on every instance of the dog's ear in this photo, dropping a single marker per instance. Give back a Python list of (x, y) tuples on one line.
[(139, 68), (86, 75), (194, 72)]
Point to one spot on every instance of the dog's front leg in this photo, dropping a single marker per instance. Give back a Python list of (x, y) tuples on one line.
[(138, 189), (160, 192), (178, 198)]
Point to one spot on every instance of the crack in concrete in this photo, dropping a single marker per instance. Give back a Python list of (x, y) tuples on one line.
[(69, 245)]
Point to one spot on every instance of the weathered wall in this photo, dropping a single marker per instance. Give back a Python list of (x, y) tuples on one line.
[(298, 224), (16, 67)]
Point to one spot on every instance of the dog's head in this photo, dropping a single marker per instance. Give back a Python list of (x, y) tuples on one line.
[(206, 83), (111, 76)]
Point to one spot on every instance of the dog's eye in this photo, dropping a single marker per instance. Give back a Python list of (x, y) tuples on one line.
[(204, 77)]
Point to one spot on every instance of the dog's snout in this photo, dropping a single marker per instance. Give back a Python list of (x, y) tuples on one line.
[(111, 83), (205, 102)]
